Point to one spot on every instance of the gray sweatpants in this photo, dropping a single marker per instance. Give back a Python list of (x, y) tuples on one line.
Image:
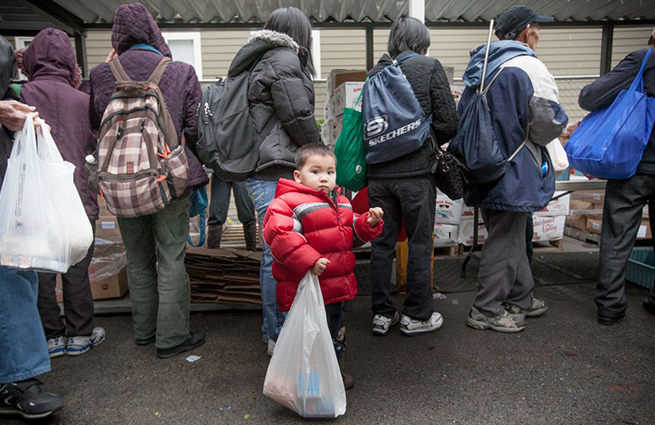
[(505, 274), (624, 201)]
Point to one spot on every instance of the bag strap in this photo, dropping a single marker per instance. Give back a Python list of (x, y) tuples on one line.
[(486, 89), (118, 71), (638, 83), (486, 55), (156, 75), (359, 99)]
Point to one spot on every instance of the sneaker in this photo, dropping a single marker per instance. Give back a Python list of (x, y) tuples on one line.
[(78, 345), (502, 323), (382, 324), (271, 347), (412, 327), (29, 399), (537, 308), (57, 346), (195, 340)]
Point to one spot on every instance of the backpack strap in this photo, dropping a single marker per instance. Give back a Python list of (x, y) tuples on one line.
[(118, 71), (486, 89), (156, 75)]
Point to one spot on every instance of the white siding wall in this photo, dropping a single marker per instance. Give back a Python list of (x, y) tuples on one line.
[(628, 39), (218, 49)]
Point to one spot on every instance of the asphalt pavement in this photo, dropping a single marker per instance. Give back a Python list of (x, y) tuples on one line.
[(563, 369)]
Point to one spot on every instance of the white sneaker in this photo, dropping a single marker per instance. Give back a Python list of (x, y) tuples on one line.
[(57, 346), (271, 347), (79, 345), (411, 327), (382, 324)]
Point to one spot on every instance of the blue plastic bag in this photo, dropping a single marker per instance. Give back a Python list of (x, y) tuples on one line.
[(394, 122), (610, 142), (199, 204)]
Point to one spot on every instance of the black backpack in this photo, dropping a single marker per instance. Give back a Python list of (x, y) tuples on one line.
[(227, 132)]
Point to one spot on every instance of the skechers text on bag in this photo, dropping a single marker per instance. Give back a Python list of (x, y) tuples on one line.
[(227, 132), (610, 142), (394, 122), (141, 164)]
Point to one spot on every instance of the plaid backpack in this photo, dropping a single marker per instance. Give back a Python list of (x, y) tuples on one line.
[(141, 164)]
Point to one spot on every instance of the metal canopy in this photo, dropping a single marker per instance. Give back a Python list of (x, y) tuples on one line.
[(360, 11)]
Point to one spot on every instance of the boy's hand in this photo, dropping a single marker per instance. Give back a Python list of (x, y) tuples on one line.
[(374, 216), (320, 266)]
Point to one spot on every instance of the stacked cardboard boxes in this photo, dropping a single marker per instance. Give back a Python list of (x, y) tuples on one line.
[(587, 214), (549, 223), (344, 88)]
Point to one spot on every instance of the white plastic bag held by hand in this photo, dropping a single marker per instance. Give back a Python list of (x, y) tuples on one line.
[(43, 225), (304, 373), (557, 156)]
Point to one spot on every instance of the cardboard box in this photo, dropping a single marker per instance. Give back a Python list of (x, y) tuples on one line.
[(465, 234), (447, 210), (596, 197), (345, 96), (111, 287), (577, 222), (559, 206), (107, 228), (340, 76), (644, 230), (445, 234), (594, 226), (580, 205), (548, 228)]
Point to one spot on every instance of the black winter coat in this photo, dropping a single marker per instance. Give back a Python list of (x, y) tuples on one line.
[(430, 85), (603, 92), (281, 96), (7, 72)]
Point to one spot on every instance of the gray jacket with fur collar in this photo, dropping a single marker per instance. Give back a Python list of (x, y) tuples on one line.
[(281, 96)]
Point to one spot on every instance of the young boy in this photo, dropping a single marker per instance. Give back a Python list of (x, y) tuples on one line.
[(310, 226)]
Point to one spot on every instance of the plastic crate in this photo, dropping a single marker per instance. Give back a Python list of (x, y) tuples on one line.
[(641, 267)]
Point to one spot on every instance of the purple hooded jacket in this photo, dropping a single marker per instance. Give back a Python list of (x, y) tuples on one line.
[(50, 63), (134, 25)]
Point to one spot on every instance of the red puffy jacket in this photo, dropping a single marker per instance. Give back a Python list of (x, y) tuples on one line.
[(303, 225)]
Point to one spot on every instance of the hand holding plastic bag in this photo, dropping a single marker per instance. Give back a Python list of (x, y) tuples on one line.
[(304, 373), (43, 225)]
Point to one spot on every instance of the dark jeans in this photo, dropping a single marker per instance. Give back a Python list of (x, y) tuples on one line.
[(412, 200), (78, 300), (220, 202), (624, 201), (335, 319), (505, 274)]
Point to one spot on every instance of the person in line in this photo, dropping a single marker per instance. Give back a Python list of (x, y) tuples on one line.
[(624, 199), (156, 244), (219, 205), (23, 348), (520, 89), (281, 98), (310, 226), (406, 190), (49, 64)]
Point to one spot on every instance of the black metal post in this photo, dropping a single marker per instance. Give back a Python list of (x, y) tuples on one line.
[(80, 52), (369, 47), (606, 49)]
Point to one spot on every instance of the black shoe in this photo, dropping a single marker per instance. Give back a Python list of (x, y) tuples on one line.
[(29, 399), (609, 321), (214, 236), (649, 306), (194, 341), (145, 341)]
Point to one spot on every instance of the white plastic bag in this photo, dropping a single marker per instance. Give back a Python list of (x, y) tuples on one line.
[(557, 156), (43, 225), (304, 373)]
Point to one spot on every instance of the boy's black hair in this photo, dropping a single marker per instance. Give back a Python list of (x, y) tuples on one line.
[(408, 33), (312, 149)]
